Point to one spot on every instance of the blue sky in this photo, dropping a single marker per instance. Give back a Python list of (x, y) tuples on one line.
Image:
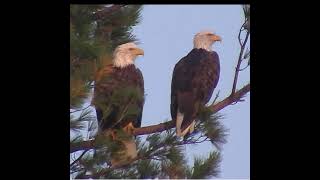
[(166, 34)]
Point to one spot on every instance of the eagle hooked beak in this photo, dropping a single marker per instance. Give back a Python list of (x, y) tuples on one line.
[(216, 38), (138, 51)]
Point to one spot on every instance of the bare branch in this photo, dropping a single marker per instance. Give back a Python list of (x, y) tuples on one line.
[(83, 145), (232, 98), (84, 152), (239, 61), (194, 142), (154, 128), (217, 95), (80, 109), (239, 35), (244, 67)]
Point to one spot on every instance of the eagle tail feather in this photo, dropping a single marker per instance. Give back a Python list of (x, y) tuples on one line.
[(185, 113), (179, 123), (182, 132)]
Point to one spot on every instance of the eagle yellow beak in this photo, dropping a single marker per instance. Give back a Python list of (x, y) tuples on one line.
[(216, 38), (138, 51)]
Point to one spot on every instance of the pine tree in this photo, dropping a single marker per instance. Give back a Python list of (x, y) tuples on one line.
[(95, 31)]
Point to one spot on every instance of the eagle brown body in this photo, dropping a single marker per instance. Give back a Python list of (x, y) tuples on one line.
[(194, 78), (110, 81), (119, 99)]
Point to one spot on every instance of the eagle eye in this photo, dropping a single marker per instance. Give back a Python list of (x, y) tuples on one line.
[(131, 49)]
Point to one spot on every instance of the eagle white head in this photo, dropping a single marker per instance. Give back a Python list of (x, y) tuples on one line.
[(125, 54), (205, 39)]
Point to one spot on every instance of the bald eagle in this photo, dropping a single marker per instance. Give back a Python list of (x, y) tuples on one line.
[(194, 78), (118, 97)]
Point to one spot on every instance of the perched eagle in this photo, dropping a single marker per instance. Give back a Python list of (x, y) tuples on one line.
[(118, 96), (194, 78)]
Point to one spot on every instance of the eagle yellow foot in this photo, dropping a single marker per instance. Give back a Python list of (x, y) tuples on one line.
[(129, 128)]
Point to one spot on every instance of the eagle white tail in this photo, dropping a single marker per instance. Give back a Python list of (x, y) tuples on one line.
[(179, 120)]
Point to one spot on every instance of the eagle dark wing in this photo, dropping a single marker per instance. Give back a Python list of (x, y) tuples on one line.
[(118, 97), (194, 78), (140, 102)]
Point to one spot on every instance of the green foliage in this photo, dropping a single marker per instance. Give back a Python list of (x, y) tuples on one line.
[(103, 141), (88, 45), (173, 170), (83, 42), (86, 115), (148, 169), (120, 174), (79, 91), (88, 162), (160, 144), (105, 150), (166, 151), (122, 100), (154, 139), (130, 17), (77, 124), (175, 155), (205, 168), (76, 139), (161, 155), (125, 95), (211, 127), (122, 135), (89, 48)]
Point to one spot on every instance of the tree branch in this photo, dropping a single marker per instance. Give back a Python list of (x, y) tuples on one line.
[(154, 128), (84, 152), (231, 99), (82, 109), (83, 145), (239, 59), (244, 67), (167, 125)]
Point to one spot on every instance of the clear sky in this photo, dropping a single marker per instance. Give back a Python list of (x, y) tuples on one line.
[(166, 35)]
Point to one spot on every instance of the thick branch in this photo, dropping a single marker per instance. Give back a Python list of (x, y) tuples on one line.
[(170, 124), (154, 128), (231, 99), (83, 145)]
